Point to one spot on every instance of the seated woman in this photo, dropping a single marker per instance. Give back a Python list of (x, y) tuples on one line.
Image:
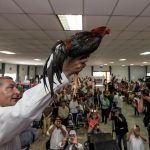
[(93, 119)]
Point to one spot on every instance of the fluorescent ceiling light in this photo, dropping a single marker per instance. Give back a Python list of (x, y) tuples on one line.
[(123, 65), (22, 62), (122, 59), (145, 53), (145, 62), (131, 64), (105, 64), (7, 52), (71, 22), (37, 59), (111, 62)]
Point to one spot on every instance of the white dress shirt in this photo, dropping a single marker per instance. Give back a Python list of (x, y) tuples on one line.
[(56, 137), (120, 102), (73, 106), (15, 119), (78, 146), (136, 143)]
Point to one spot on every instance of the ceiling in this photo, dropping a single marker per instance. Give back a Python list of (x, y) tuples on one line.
[(30, 28)]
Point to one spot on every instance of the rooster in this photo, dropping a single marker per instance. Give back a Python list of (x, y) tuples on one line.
[(82, 44)]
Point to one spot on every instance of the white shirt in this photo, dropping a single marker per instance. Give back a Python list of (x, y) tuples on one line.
[(120, 102), (56, 137), (78, 146), (15, 119), (69, 97), (115, 98), (73, 106), (84, 89), (136, 143)]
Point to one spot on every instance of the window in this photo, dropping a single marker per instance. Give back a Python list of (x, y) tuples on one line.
[(103, 75)]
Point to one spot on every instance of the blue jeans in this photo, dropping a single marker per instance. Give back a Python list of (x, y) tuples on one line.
[(119, 139)]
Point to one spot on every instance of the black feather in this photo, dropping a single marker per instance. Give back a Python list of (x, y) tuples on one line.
[(56, 65)]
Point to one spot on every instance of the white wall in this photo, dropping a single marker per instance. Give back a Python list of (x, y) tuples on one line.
[(98, 68), (148, 69), (120, 72), (39, 70), (11, 70), (22, 72), (85, 72), (0, 65), (0, 69), (31, 72), (137, 72)]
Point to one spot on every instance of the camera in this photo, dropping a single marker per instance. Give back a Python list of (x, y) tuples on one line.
[(145, 92)]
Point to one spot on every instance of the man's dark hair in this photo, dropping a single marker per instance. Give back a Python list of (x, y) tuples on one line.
[(137, 126), (58, 118)]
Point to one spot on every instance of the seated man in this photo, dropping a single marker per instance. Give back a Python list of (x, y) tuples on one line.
[(57, 133), (63, 112), (47, 118)]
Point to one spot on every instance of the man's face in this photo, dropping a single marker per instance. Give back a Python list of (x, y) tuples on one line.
[(58, 122), (136, 132), (9, 94)]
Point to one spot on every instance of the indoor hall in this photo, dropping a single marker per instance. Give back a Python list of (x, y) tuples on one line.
[(116, 76)]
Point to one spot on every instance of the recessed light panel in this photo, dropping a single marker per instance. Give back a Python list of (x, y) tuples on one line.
[(122, 59), (71, 22), (7, 52), (37, 59), (145, 53)]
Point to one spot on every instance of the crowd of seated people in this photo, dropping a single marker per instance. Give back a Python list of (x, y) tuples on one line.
[(91, 106)]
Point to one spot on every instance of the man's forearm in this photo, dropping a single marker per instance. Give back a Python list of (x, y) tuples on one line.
[(120, 119), (143, 138), (147, 98), (63, 131), (49, 132)]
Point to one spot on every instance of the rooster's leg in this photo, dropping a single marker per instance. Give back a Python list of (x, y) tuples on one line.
[(76, 84)]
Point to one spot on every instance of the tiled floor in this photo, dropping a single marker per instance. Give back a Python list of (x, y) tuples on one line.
[(128, 111)]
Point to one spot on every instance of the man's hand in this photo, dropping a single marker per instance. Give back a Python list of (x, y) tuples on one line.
[(117, 115), (59, 125), (74, 141), (55, 123), (73, 65)]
